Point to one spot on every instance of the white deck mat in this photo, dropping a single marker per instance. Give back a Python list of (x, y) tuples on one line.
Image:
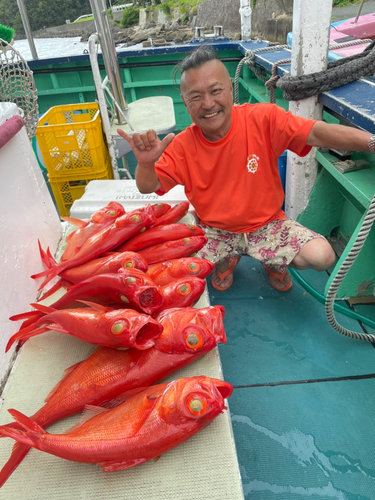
[(204, 467)]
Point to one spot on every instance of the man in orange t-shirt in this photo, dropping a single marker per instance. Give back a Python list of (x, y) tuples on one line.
[(228, 163)]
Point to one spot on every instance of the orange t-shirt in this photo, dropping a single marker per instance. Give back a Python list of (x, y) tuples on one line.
[(234, 183)]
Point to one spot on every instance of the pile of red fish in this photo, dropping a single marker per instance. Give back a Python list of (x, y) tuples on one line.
[(129, 283)]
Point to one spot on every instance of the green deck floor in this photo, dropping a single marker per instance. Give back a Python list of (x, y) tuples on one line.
[(303, 405)]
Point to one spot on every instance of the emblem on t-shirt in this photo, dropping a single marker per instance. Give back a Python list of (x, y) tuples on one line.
[(252, 163)]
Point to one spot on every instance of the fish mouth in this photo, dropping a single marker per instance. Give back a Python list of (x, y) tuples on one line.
[(224, 388), (218, 327), (150, 299), (147, 335)]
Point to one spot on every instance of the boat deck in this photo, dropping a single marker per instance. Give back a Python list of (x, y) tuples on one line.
[(302, 405), (303, 392)]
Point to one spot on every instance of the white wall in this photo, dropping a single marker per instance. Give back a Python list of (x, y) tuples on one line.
[(26, 214)]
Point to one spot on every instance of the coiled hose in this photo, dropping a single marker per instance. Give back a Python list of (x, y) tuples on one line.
[(329, 300), (342, 272)]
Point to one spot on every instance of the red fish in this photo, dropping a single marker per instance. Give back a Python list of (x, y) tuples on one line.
[(109, 263), (128, 287), (119, 438), (111, 237), (160, 234), (184, 247), (164, 272), (183, 292), (160, 209), (96, 325), (98, 221), (174, 214), (188, 334)]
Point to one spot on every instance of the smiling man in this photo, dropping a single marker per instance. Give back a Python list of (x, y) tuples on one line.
[(227, 161)]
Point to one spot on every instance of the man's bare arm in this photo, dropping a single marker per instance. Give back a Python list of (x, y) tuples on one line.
[(340, 137), (147, 148)]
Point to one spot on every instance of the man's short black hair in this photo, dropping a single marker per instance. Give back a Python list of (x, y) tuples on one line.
[(197, 58)]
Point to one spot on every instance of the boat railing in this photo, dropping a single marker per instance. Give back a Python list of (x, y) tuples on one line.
[(120, 8)]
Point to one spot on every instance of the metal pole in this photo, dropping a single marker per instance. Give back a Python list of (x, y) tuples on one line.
[(26, 26), (359, 11), (245, 13), (103, 28)]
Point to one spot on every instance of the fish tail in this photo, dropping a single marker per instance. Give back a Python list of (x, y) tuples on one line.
[(46, 272), (30, 433), (50, 273), (30, 316), (19, 452), (57, 286), (24, 334), (46, 257)]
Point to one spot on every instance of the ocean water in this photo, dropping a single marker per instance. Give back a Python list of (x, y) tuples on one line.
[(51, 47)]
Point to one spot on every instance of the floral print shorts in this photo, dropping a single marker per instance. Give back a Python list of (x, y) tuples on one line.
[(275, 244)]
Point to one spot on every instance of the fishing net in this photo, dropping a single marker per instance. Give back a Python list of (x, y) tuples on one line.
[(17, 85)]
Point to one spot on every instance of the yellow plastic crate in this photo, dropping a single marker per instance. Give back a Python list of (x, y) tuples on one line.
[(71, 140), (66, 189)]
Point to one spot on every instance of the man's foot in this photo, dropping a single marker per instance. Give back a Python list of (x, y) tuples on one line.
[(222, 278), (280, 281)]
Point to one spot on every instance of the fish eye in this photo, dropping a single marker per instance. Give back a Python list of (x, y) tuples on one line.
[(193, 268), (123, 298), (112, 213), (184, 289), (130, 280), (193, 339), (135, 218), (118, 327), (128, 264), (191, 226), (186, 240), (197, 405)]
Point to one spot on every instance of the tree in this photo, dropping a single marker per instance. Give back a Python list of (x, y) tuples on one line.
[(42, 13)]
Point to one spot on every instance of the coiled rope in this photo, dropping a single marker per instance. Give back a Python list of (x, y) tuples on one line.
[(295, 88), (249, 60), (341, 273), (337, 74)]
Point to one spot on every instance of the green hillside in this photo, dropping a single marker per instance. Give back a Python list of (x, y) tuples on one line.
[(42, 13)]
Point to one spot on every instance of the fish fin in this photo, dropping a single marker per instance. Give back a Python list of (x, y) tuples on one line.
[(89, 412), (124, 396), (42, 308), (113, 466), (75, 222), (147, 404), (24, 334), (19, 451), (55, 327), (94, 305)]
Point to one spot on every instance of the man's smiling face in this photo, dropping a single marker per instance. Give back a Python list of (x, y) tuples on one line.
[(207, 93)]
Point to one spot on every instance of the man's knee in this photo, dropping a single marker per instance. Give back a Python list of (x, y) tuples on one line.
[(317, 254)]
